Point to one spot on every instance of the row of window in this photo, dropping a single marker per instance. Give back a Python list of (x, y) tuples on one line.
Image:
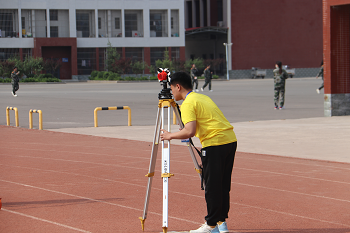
[(86, 57), (110, 23)]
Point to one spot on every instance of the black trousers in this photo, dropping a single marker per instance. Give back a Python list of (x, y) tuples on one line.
[(206, 82), (15, 86), (217, 164)]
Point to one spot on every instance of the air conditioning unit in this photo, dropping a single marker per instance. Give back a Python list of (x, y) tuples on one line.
[(220, 23)]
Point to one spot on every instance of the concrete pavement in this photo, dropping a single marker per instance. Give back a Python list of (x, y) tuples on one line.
[(321, 138)]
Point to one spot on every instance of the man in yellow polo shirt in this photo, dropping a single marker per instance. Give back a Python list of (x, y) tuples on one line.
[(202, 118)]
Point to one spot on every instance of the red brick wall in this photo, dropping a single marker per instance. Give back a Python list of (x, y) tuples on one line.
[(264, 32), (71, 42), (336, 36)]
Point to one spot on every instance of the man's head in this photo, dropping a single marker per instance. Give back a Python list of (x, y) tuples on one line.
[(180, 83), (15, 68), (193, 65)]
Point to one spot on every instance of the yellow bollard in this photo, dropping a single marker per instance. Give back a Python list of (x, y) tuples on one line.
[(111, 108), (31, 118), (8, 115)]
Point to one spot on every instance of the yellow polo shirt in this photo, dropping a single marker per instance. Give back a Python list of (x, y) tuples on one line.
[(212, 128)]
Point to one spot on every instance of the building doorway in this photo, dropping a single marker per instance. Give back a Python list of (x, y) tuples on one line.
[(61, 54)]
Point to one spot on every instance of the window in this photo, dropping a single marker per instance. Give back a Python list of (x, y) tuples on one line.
[(156, 54), (99, 23), (133, 23), (53, 31), (8, 53), (130, 24), (86, 60), (175, 23), (23, 23), (116, 23), (54, 15), (220, 11), (85, 23), (8, 23), (159, 23)]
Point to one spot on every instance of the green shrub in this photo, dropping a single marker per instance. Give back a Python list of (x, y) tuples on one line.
[(94, 74), (153, 78), (143, 78), (32, 79), (99, 76), (129, 78), (5, 80), (215, 76)]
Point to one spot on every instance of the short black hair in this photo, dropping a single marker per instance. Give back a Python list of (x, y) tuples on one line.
[(279, 64), (15, 67), (182, 78)]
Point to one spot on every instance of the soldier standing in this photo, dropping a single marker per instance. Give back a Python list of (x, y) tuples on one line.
[(14, 81), (194, 73), (208, 77), (280, 76)]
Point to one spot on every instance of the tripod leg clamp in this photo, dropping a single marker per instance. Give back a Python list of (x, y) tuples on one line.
[(150, 174), (164, 175)]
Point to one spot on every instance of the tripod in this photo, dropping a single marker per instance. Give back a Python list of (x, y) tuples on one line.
[(165, 102)]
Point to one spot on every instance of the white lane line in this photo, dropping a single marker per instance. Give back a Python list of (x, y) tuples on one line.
[(284, 174), (255, 207), (193, 176), (298, 163), (282, 190), (44, 220), (290, 214), (94, 200), (116, 165)]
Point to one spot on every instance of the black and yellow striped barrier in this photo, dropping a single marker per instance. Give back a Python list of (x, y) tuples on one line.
[(31, 118), (8, 115), (112, 108)]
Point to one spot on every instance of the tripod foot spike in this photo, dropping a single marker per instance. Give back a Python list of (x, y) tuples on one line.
[(142, 223), (165, 229)]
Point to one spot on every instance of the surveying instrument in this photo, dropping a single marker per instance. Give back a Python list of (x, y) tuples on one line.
[(166, 101)]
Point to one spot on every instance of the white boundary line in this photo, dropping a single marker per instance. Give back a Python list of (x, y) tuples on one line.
[(44, 220)]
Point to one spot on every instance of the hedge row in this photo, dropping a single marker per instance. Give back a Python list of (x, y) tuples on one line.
[(38, 78), (108, 75)]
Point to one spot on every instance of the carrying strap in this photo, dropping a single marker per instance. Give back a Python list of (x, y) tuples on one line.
[(198, 151)]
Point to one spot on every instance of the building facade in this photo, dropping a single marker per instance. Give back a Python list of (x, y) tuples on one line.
[(77, 31), (263, 32), (336, 49)]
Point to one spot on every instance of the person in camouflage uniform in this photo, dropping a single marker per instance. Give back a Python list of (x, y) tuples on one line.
[(279, 77), (320, 74), (14, 81), (194, 73), (208, 76)]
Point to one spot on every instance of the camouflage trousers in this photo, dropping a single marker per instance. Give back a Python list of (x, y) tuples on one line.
[(279, 96)]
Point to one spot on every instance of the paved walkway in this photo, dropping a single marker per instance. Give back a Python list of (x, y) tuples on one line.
[(321, 138)]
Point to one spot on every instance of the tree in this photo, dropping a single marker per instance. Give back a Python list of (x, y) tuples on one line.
[(121, 66), (138, 67), (112, 55), (51, 65), (166, 62), (6, 68), (199, 62), (32, 65)]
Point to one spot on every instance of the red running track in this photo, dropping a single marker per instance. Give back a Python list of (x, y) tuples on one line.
[(59, 182)]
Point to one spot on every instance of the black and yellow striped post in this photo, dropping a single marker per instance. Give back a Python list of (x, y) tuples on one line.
[(31, 118), (8, 115), (112, 108)]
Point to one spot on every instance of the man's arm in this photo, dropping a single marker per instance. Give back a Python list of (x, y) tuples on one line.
[(187, 132)]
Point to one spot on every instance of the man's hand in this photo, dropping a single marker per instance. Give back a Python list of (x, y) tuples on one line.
[(187, 132), (165, 135)]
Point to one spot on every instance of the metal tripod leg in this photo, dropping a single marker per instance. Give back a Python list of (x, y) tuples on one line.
[(190, 148), (151, 167)]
